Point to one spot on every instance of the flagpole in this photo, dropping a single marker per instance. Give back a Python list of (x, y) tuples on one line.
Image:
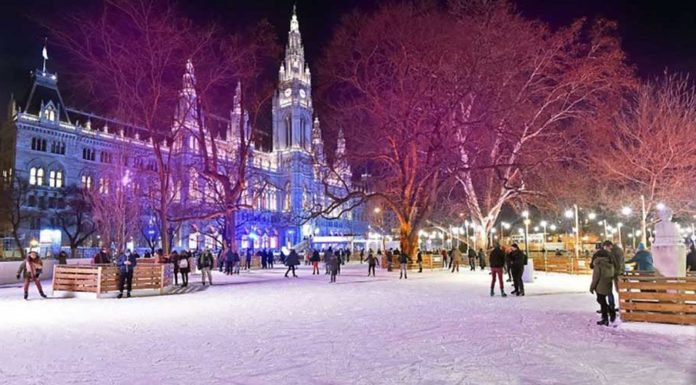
[(44, 53)]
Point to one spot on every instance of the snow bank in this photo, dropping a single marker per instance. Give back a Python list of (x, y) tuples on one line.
[(262, 328)]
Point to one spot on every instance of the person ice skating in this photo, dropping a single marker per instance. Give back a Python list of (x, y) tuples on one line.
[(221, 259), (264, 259), (229, 260), (404, 259), (497, 261), (327, 260), (444, 259), (30, 270), (362, 256), (237, 261), (508, 265), (481, 258), (205, 263), (455, 259), (334, 262), (247, 264), (271, 259), (471, 254), (291, 261), (174, 260), (126, 264), (518, 259), (643, 259), (371, 263), (615, 255), (419, 261), (602, 280), (379, 257), (184, 267), (390, 259), (307, 257), (315, 259)]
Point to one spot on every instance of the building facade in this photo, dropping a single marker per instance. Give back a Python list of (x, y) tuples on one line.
[(50, 146)]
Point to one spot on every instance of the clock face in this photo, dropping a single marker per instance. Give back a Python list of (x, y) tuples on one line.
[(302, 93), (288, 92)]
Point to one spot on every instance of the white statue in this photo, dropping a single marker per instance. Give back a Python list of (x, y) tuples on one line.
[(668, 250)]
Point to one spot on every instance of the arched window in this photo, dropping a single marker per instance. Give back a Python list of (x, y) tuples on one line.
[(36, 176), (86, 182), (287, 204), (103, 185), (55, 178), (194, 187), (32, 176), (288, 131), (303, 130), (50, 114)]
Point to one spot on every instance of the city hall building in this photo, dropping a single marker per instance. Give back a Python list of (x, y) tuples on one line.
[(50, 146)]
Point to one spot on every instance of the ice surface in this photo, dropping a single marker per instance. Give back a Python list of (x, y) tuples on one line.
[(262, 328)]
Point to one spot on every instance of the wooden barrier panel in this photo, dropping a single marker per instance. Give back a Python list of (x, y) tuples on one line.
[(650, 298), (100, 279)]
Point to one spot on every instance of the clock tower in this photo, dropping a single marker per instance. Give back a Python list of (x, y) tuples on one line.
[(292, 102)]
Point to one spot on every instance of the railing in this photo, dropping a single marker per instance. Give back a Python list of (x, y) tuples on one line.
[(651, 298), (560, 264)]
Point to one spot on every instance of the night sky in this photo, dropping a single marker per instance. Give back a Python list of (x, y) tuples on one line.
[(656, 35)]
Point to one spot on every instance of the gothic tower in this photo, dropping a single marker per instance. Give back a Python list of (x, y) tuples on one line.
[(292, 102)]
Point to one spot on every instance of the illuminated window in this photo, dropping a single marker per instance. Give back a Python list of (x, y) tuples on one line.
[(287, 203), (50, 113), (193, 186), (103, 185), (36, 176), (86, 182), (55, 178)]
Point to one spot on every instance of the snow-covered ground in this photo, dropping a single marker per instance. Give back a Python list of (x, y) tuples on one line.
[(261, 328)]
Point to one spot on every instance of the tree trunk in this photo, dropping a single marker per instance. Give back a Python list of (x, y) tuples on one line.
[(15, 235), (408, 241), (230, 235), (164, 228), (73, 250)]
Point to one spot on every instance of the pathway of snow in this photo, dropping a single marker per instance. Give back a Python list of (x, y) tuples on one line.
[(261, 328)]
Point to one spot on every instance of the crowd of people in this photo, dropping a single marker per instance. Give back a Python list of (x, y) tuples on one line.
[(607, 264)]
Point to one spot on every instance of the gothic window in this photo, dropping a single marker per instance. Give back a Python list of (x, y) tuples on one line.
[(58, 147), (287, 205), (55, 178), (288, 131), (88, 154), (86, 182), (303, 130), (38, 144), (194, 188), (103, 185), (50, 114), (36, 176)]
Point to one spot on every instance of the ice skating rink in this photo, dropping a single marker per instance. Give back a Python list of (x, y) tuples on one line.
[(261, 328)]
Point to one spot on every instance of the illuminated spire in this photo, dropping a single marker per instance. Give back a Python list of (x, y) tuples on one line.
[(294, 66)]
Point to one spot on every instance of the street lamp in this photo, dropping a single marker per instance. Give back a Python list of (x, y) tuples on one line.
[(543, 244), (618, 228), (573, 213), (592, 216), (526, 235)]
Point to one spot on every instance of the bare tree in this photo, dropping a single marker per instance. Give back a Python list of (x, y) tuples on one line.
[(73, 215), (647, 150), (387, 82), (532, 90), (13, 196)]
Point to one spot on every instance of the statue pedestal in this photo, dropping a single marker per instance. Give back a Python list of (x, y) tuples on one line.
[(528, 273)]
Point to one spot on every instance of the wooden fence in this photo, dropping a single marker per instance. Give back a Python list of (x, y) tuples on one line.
[(651, 298), (560, 264), (430, 261), (102, 279)]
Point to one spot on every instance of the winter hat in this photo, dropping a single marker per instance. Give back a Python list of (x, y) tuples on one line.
[(514, 246), (641, 247)]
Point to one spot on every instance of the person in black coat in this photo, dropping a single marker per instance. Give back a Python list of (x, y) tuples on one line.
[(126, 264), (371, 263), (419, 261), (497, 262), (315, 259), (691, 257), (403, 263), (247, 264), (517, 259), (291, 261)]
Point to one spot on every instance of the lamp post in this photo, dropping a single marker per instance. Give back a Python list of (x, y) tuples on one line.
[(466, 229), (618, 228), (543, 244), (525, 215)]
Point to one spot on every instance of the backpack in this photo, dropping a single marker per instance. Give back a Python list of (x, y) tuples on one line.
[(183, 263)]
